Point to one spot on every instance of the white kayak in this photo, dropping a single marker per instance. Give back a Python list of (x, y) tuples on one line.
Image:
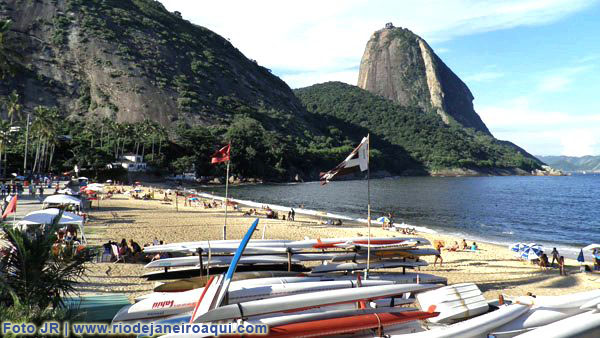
[(548, 309), (388, 264), (478, 326), (215, 260), (228, 245), (584, 325), (454, 302), (295, 258), (164, 304), (307, 300)]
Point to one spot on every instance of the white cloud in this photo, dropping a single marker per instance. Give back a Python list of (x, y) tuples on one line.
[(328, 37), (559, 79), (543, 132)]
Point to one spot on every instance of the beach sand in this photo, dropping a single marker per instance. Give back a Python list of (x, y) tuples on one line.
[(493, 268)]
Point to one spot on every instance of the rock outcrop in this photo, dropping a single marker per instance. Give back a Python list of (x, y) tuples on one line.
[(399, 65), (130, 60)]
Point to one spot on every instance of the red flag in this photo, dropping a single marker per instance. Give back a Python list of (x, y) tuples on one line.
[(221, 155), (11, 207)]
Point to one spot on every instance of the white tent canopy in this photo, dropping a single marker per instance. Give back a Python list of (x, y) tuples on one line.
[(592, 247), (62, 200), (46, 216)]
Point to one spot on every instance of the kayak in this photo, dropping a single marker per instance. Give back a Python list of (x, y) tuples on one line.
[(308, 300), (198, 282), (478, 326), (373, 265), (274, 245), (584, 325), (158, 305), (294, 277)]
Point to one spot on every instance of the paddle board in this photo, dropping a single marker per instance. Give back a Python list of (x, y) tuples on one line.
[(198, 282)]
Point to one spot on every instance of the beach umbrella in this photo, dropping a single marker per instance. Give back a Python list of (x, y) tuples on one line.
[(383, 220), (580, 258), (530, 254), (517, 247)]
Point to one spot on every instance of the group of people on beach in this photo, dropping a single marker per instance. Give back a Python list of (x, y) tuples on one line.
[(438, 245), (545, 263)]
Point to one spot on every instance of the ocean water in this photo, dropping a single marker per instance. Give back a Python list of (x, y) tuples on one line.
[(552, 211)]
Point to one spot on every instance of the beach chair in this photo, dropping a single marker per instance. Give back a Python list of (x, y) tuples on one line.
[(115, 252)]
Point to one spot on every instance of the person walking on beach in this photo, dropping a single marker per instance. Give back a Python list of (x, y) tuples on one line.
[(561, 266), (293, 215), (438, 246), (555, 256)]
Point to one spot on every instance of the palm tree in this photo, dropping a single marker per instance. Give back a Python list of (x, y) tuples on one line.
[(13, 107), (4, 138), (38, 278)]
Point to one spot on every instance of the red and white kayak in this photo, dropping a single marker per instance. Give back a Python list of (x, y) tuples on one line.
[(346, 324), (309, 300), (165, 304)]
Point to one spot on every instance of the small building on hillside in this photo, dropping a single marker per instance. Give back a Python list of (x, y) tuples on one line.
[(131, 162)]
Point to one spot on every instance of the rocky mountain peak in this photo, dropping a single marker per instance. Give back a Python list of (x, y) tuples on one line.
[(399, 65)]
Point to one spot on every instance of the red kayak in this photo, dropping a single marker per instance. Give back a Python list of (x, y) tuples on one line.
[(350, 324)]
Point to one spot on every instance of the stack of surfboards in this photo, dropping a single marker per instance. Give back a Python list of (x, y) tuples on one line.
[(345, 254)]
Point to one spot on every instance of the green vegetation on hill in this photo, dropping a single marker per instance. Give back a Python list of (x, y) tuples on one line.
[(424, 136)]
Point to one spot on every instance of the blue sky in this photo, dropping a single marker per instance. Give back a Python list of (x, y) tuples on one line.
[(533, 66)]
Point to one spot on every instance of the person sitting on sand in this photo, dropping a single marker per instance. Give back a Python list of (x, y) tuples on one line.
[(474, 247), (454, 246), (464, 244), (544, 262), (561, 266)]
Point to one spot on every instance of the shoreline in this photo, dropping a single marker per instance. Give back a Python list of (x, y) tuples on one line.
[(493, 268), (570, 252)]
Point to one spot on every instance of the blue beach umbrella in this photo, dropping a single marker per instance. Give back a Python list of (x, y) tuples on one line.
[(383, 219), (580, 258), (532, 252), (518, 247)]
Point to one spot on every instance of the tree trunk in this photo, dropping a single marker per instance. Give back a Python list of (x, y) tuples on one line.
[(37, 151), (51, 156)]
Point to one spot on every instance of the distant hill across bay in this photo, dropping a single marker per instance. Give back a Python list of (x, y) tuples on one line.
[(572, 163)]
